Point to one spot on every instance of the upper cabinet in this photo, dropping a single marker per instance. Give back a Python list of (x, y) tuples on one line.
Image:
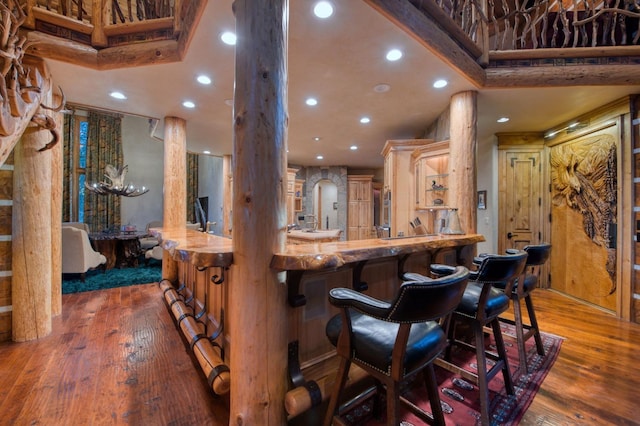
[(431, 175)]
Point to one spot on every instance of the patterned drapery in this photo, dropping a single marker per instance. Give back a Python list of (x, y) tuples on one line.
[(192, 187), (67, 158), (104, 146)]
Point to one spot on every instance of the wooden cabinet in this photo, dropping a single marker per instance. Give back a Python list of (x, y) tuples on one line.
[(360, 210), (294, 195), (399, 185), (431, 176)]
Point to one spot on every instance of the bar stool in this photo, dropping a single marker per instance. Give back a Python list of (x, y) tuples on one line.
[(393, 340), (537, 256), (480, 307)]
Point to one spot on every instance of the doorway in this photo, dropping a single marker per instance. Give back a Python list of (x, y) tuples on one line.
[(325, 204)]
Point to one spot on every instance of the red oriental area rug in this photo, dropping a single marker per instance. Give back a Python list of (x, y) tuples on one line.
[(460, 399)]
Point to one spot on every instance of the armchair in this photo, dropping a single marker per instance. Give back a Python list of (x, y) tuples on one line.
[(77, 254)]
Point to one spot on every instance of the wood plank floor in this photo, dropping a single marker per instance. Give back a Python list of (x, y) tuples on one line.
[(115, 357)]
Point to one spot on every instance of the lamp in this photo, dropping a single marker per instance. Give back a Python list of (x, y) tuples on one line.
[(116, 185)]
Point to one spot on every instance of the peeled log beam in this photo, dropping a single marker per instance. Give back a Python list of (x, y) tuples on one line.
[(298, 400), (31, 237), (208, 357), (462, 166), (56, 215), (569, 75), (7, 143), (258, 308)]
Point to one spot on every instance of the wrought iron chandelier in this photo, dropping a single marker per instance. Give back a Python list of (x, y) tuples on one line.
[(116, 185)]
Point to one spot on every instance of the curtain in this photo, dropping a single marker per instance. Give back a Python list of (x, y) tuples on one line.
[(104, 146), (192, 188), (67, 158)]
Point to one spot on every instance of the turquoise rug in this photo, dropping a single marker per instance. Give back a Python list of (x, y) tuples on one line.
[(98, 280)]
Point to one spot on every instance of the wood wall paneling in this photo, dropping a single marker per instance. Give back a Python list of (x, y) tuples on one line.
[(5, 326), (5, 220), (5, 255), (5, 291), (6, 184)]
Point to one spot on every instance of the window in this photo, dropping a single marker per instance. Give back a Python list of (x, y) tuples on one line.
[(79, 145)]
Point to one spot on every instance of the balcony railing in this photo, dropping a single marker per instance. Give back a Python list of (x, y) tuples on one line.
[(497, 25), (106, 23)]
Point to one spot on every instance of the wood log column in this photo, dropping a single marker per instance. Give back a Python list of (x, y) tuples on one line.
[(57, 171), (258, 294), (175, 185), (462, 163), (31, 236)]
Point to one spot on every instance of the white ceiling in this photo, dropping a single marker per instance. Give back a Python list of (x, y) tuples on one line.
[(339, 61)]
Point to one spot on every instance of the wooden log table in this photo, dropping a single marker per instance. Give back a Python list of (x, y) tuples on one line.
[(122, 249), (375, 266)]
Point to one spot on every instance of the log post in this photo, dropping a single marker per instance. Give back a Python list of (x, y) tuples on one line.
[(56, 214), (31, 236), (258, 361), (463, 147), (175, 185)]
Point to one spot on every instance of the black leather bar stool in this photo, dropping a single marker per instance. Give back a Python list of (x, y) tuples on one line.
[(537, 256), (480, 307), (393, 340)]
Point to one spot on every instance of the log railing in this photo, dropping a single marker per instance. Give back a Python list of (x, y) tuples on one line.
[(106, 23), (506, 25)]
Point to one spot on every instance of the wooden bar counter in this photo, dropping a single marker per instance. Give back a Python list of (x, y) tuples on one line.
[(374, 266)]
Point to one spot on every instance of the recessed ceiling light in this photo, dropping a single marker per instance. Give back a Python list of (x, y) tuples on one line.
[(365, 120), (503, 119), (381, 88), (229, 38), (319, 157), (118, 95), (311, 101), (394, 55), (188, 104), (439, 84), (206, 152), (323, 9), (353, 147), (317, 138), (203, 79)]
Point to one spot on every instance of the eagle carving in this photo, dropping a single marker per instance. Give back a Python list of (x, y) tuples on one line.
[(584, 176)]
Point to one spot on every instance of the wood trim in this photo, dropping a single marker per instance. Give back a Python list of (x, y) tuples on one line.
[(62, 21), (554, 53), (429, 33), (569, 75), (138, 27)]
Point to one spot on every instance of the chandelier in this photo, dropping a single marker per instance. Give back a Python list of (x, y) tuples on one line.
[(116, 185)]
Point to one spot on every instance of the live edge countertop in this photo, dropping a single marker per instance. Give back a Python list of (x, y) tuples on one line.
[(206, 250)]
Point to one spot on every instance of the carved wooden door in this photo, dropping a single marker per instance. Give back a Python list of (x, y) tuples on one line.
[(583, 217), (521, 214)]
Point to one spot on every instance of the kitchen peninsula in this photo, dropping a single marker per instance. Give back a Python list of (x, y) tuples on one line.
[(206, 269)]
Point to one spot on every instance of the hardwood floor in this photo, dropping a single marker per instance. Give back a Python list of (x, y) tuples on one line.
[(115, 357)]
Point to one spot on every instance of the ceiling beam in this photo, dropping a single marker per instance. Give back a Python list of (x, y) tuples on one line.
[(428, 33), (562, 75)]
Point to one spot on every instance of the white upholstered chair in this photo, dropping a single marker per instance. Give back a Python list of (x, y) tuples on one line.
[(153, 253), (77, 254), (148, 241), (79, 225)]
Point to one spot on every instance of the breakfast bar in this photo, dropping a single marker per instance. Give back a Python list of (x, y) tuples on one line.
[(206, 269)]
